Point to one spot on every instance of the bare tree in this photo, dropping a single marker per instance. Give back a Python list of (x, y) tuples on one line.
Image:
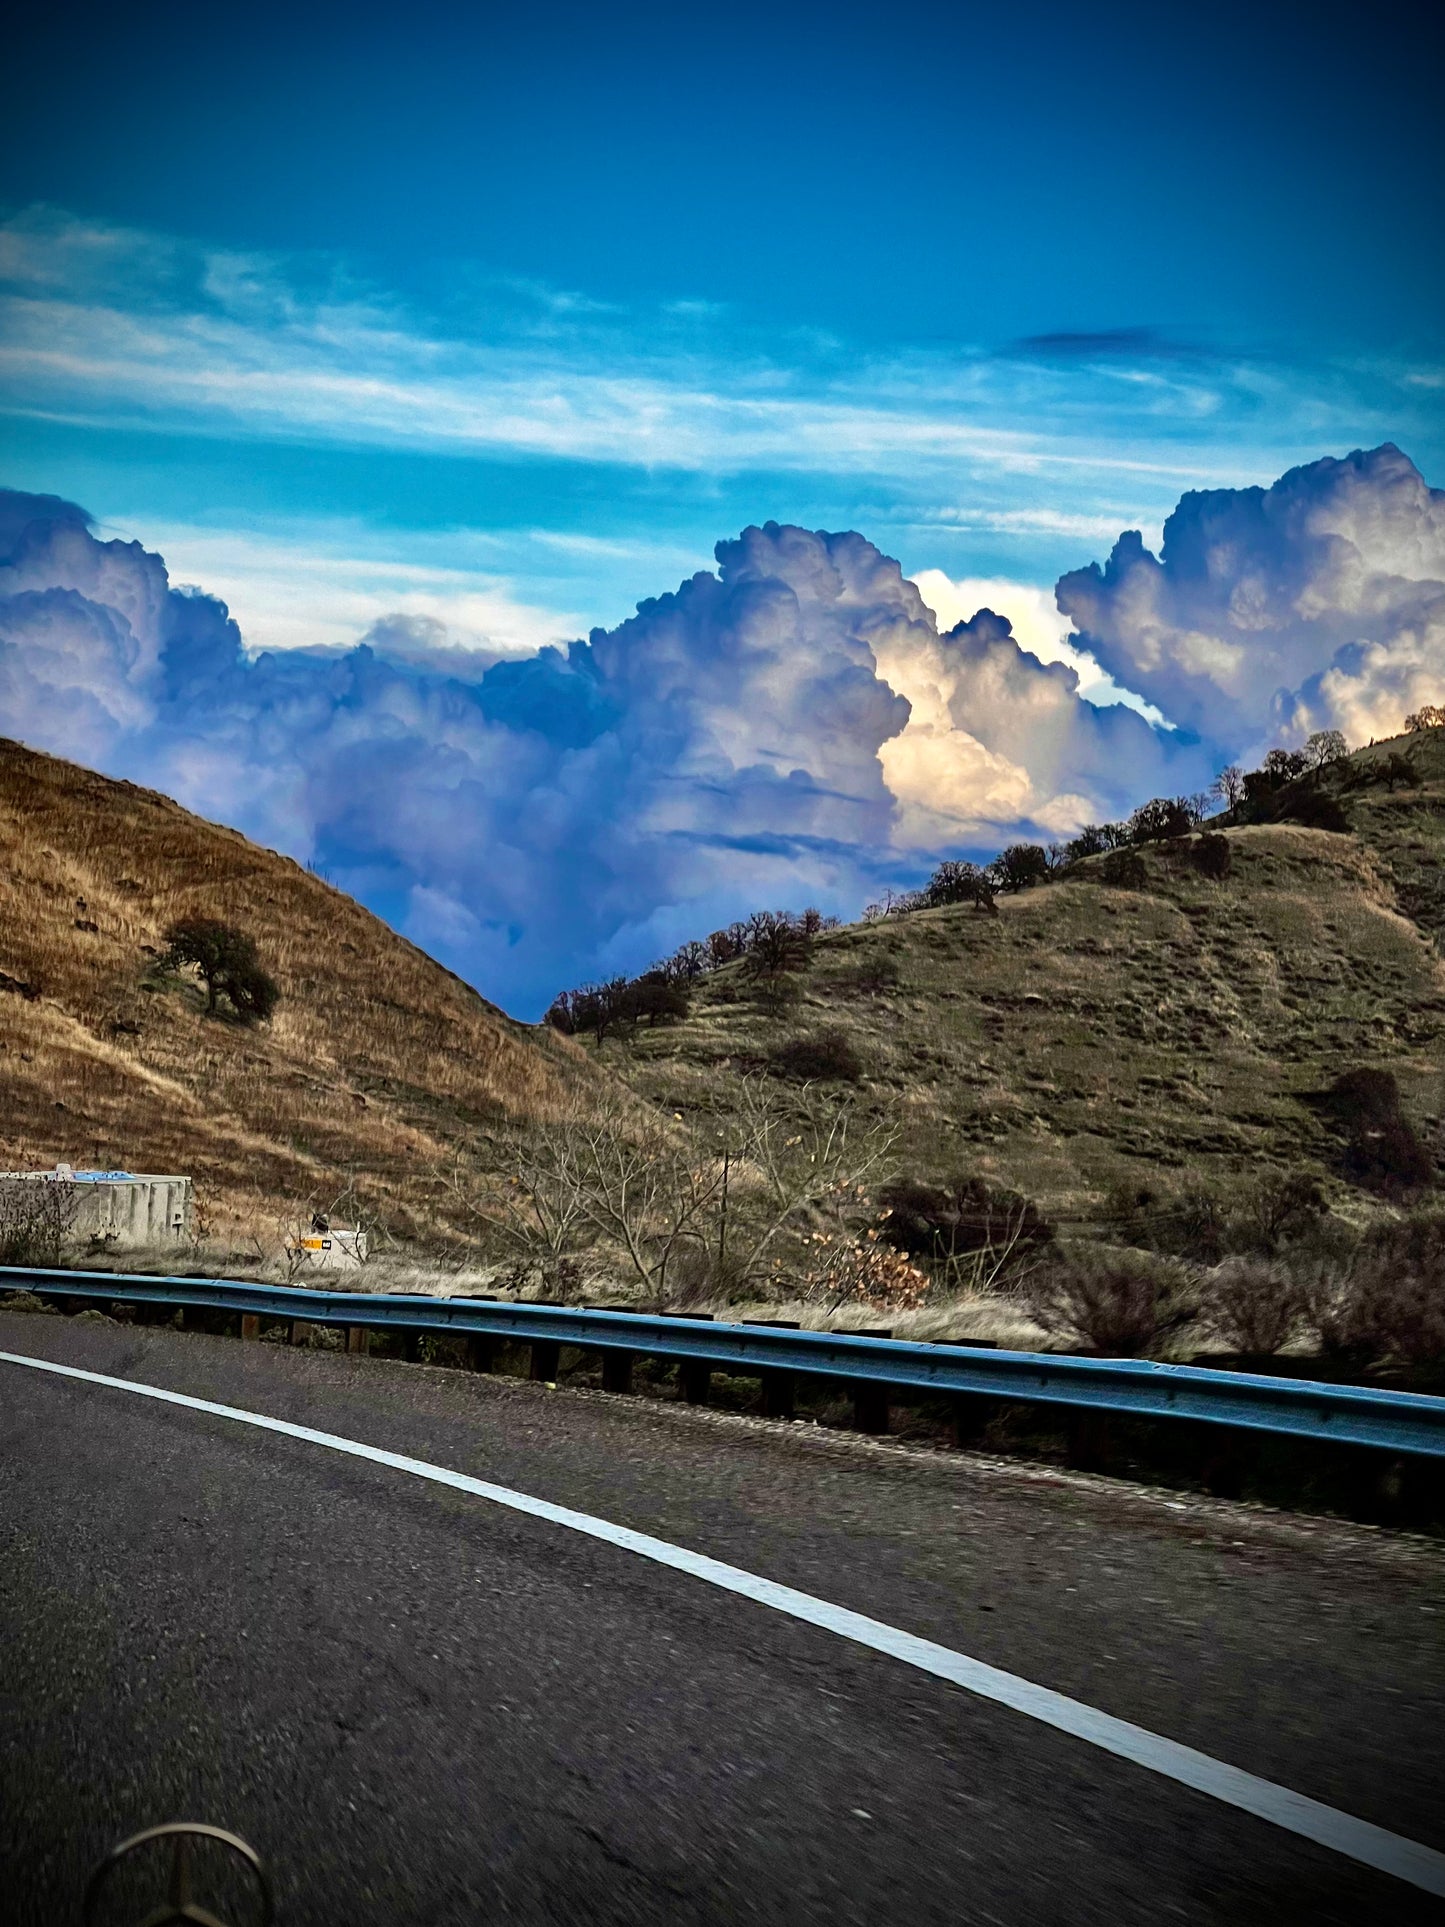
[(681, 1210), (1228, 786), (784, 1155), (535, 1211), (1324, 747)]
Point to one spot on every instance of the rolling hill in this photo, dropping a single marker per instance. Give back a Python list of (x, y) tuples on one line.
[(1088, 1040), (376, 1066), (1091, 1039)]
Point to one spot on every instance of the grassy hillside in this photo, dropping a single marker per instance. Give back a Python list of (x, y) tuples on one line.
[(1403, 827), (1090, 1038), (1087, 1040), (377, 1062)]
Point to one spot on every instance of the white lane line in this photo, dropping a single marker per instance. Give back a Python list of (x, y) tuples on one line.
[(1390, 1853)]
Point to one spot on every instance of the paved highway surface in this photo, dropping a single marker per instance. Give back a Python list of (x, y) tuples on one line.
[(421, 1707)]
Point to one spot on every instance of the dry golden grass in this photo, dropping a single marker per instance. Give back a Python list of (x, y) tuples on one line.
[(1088, 1038), (1092, 1038), (377, 1065)]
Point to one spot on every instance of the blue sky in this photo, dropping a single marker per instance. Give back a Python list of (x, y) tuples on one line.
[(466, 328), (989, 284)]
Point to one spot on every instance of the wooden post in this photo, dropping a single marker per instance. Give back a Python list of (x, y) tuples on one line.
[(482, 1351), (778, 1390), (358, 1339), (694, 1380), (300, 1331), (871, 1400), (871, 1406), (546, 1357), (617, 1371), (972, 1411), (250, 1324), (778, 1382), (1089, 1441), (694, 1375), (1224, 1457)]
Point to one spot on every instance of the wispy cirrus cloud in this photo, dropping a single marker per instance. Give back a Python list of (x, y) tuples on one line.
[(109, 324)]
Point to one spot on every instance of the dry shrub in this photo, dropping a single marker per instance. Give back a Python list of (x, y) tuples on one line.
[(1124, 870), (1388, 1302), (827, 1056), (875, 975), (1206, 1224), (1252, 1304), (864, 1270), (1382, 1151), (949, 1224), (1121, 1303), (1211, 856)]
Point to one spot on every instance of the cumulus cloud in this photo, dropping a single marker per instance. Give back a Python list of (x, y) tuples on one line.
[(1036, 622), (790, 727), (1317, 602), (796, 725), (998, 738)]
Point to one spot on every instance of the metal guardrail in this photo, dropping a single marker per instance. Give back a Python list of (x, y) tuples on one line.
[(1401, 1422)]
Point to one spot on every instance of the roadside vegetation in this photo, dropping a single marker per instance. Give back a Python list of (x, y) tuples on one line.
[(1173, 1088)]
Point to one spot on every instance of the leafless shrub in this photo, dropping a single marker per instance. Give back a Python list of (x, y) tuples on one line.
[(1211, 855), (875, 974), (1253, 1304), (1388, 1301), (1205, 1224), (1120, 1303), (977, 1236), (688, 1213), (1124, 870)]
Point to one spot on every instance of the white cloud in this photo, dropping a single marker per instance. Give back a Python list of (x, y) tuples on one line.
[(325, 587), (741, 740), (1318, 602), (1037, 624), (136, 329), (793, 727)]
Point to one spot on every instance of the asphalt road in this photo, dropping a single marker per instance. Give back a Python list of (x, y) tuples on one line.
[(422, 1707)]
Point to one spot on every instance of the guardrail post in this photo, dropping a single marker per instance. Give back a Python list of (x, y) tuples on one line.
[(973, 1412), (482, 1351), (694, 1375), (694, 1380), (1224, 1454), (546, 1357), (872, 1407), (871, 1401), (617, 1364), (778, 1383), (300, 1331), (617, 1371), (972, 1415), (1090, 1440), (250, 1325), (358, 1339)]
